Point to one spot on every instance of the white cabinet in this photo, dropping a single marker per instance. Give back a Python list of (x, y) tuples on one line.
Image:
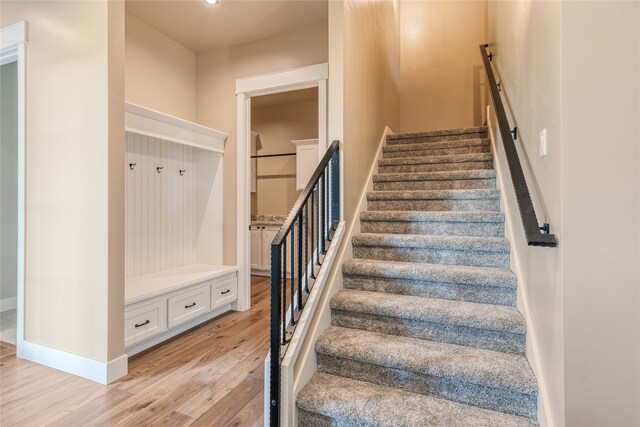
[(256, 247), (261, 238), (306, 160)]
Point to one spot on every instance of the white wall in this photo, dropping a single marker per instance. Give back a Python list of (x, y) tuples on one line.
[(160, 73), (441, 70), (74, 294), (573, 68), (216, 75), (8, 180), (525, 38), (601, 212)]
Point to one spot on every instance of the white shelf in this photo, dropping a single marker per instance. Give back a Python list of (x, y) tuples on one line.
[(144, 287), (155, 124)]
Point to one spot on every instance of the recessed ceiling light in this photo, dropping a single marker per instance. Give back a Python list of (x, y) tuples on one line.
[(211, 1)]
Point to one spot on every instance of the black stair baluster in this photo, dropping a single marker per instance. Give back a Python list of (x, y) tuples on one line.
[(292, 278), (323, 202), (306, 247), (284, 292), (300, 307)]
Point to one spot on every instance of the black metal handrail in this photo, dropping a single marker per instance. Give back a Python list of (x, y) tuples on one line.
[(309, 227), (536, 235)]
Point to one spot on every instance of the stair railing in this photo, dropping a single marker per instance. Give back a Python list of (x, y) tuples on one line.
[(536, 235), (296, 252)]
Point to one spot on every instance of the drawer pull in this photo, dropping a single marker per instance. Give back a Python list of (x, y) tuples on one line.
[(225, 292), (190, 305), (139, 325)]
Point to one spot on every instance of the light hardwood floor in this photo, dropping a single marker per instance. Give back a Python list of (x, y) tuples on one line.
[(210, 376)]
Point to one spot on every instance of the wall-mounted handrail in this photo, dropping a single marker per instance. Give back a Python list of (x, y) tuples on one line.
[(307, 232), (536, 235)]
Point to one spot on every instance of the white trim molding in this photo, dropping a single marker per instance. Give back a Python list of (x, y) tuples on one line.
[(100, 372), (246, 88), (13, 35), (13, 41), (532, 351)]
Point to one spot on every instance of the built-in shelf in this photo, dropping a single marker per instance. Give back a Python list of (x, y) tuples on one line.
[(150, 285), (155, 124)]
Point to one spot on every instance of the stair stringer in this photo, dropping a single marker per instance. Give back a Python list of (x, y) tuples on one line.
[(306, 364), (507, 206)]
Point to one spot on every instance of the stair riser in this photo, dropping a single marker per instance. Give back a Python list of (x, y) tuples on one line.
[(435, 167), (461, 335), (433, 256), (450, 184), (434, 205), (437, 152), (420, 139), (312, 419), (450, 291), (449, 388), (478, 229)]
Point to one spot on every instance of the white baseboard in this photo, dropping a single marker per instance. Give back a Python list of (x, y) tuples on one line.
[(100, 372), (8, 303), (532, 351)]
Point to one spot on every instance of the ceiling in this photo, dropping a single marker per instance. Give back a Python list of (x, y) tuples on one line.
[(201, 27), (281, 98)]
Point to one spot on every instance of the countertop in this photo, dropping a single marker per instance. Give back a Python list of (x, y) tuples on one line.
[(268, 219)]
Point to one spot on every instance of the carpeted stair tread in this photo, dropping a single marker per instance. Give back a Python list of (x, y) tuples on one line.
[(455, 274), (453, 243), (457, 313), (435, 176), (470, 365), (434, 194), (329, 400), (435, 145), (433, 216), (448, 158), (437, 132)]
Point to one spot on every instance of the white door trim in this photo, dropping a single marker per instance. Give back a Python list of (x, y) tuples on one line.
[(246, 88), (13, 40)]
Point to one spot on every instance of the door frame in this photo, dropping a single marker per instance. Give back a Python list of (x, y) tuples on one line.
[(246, 88), (13, 41)]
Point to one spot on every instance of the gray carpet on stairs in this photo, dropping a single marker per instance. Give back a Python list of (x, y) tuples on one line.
[(426, 331)]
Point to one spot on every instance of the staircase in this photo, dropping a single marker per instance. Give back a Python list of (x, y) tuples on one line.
[(426, 331)]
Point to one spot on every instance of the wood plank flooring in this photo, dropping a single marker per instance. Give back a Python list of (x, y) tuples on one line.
[(210, 376)]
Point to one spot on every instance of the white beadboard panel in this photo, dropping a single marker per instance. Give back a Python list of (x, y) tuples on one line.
[(160, 205)]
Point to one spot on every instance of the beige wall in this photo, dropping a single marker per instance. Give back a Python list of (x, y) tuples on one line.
[(583, 300), (277, 126), (371, 88), (9, 180), (441, 67), (216, 75), (601, 212), (160, 73), (74, 295), (525, 39)]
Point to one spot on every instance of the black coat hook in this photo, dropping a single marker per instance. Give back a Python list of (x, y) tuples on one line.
[(159, 168), (182, 171), (132, 166)]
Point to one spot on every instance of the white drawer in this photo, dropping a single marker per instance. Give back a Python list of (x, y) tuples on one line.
[(189, 304), (224, 291), (144, 321)]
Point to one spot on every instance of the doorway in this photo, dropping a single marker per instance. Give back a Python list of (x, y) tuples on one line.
[(284, 152), (313, 76)]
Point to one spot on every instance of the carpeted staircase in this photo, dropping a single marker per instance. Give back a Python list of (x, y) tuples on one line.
[(426, 331)]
